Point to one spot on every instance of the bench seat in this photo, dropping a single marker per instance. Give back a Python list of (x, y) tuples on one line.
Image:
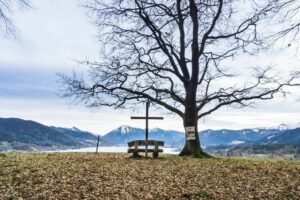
[(143, 142), (137, 146), (143, 150)]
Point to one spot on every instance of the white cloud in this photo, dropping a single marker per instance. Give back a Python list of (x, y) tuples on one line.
[(52, 34)]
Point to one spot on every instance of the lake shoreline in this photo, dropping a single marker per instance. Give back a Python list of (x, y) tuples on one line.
[(110, 149)]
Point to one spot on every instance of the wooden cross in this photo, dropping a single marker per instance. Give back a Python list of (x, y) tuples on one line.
[(146, 130)]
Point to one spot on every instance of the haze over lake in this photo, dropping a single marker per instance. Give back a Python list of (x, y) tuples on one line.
[(121, 149)]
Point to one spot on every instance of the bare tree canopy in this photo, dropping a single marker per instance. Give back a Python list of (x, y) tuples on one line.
[(6, 8), (288, 15), (177, 55)]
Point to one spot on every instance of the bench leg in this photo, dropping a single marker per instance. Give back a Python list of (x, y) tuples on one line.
[(155, 154), (136, 154)]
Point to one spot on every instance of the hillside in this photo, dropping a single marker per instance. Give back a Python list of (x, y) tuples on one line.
[(83, 138), (76, 133), (117, 176), (287, 137), (18, 132), (28, 135), (236, 137)]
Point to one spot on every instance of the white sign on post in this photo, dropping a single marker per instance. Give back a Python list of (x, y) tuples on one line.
[(190, 133)]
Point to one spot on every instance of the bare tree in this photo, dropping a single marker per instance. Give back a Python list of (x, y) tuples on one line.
[(175, 54), (6, 6), (288, 15)]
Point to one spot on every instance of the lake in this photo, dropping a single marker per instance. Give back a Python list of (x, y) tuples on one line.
[(122, 149)]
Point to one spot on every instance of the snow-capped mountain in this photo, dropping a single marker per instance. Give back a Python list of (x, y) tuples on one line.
[(124, 134), (124, 129), (74, 129), (120, 136)]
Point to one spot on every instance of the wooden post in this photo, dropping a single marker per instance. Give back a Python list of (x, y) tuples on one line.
[(147, 131), (97, 144)]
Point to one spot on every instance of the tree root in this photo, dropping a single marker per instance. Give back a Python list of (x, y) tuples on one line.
[(199, 153)]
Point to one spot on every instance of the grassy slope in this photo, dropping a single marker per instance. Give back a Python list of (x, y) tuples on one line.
[(30, 132), (116, 176)]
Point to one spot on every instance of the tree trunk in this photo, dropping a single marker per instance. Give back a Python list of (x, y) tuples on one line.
[(192, 147)]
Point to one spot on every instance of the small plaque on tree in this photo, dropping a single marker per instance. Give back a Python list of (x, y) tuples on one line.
[(190, 133)]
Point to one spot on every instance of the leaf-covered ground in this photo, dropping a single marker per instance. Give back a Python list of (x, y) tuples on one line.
[(117, 176)]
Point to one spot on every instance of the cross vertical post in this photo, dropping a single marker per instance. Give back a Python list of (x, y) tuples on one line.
[(147, 130)]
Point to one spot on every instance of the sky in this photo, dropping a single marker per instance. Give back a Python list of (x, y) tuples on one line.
[(53, 35)]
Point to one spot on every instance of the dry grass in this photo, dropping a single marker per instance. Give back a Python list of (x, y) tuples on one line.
[(116, 176)]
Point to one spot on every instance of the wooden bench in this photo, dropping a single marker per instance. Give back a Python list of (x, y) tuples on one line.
[(134, 147)]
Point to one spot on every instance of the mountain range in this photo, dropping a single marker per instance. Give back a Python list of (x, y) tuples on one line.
[(28, 135), (124, 134), (282, 135)]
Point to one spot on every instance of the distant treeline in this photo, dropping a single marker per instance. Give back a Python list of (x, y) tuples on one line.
[(276, 149)]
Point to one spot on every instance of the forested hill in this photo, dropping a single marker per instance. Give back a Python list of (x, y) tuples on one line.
[(18, 130), (30, 135)]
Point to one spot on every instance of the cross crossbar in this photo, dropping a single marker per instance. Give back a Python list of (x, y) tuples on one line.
[(154, 118)]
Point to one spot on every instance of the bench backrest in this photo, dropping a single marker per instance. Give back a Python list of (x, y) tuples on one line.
[(143, 142)]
